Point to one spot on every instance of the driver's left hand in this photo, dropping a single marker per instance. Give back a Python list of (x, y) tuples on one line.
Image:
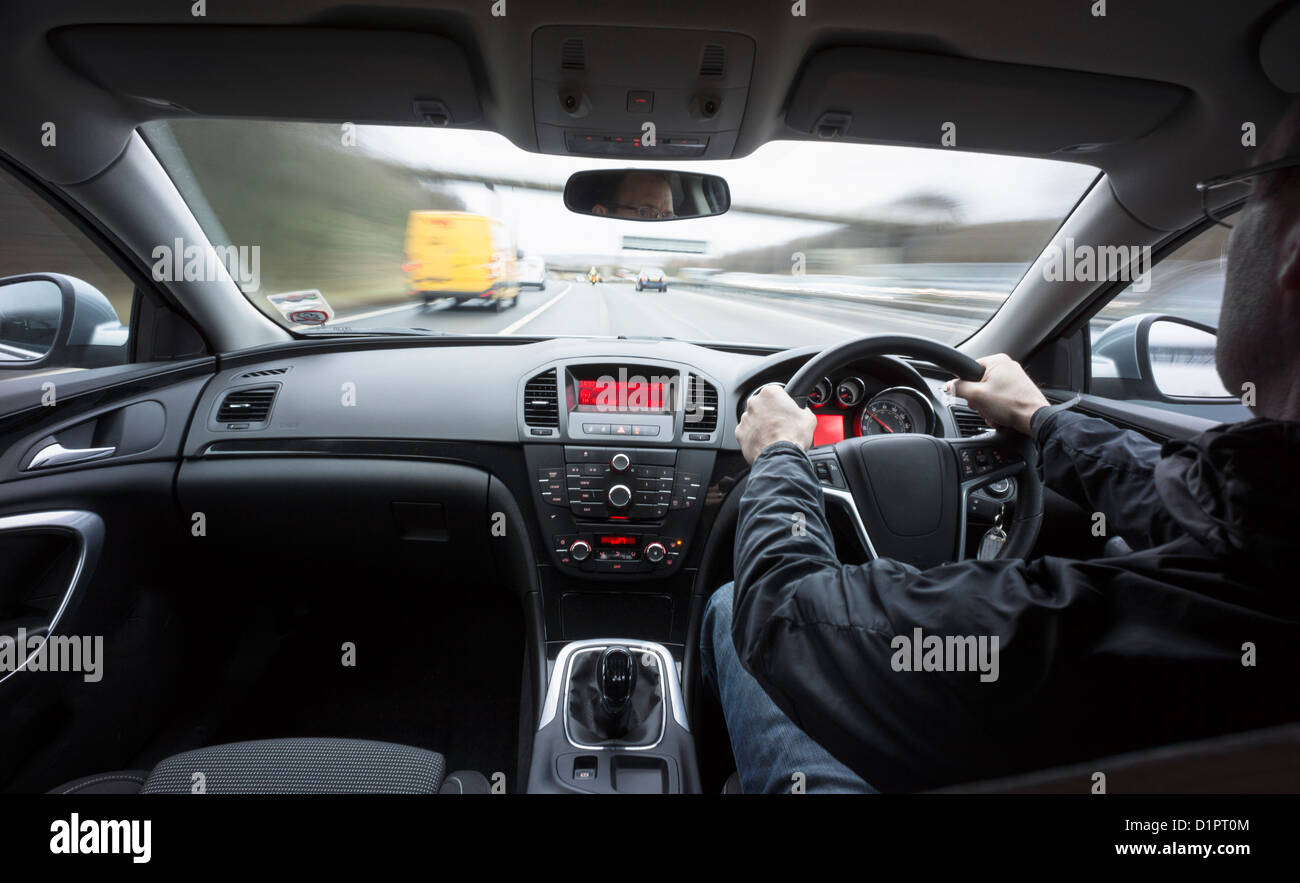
[(772, 416)]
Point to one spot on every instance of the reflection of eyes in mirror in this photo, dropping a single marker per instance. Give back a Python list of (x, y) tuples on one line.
[(29, 319), (646, 194), (1182, 361)]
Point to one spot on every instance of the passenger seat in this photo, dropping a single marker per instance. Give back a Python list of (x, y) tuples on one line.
[(291, 766)]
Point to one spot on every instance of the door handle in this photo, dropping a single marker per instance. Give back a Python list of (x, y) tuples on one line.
[(57, 455)]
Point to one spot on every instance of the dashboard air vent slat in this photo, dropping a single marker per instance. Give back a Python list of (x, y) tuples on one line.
[(701, 404), (573, 55), (542, 400), (252, 405), (969, 422), (714, 61), (265, 372)]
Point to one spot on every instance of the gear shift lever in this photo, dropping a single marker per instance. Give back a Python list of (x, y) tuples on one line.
[(616, 679)]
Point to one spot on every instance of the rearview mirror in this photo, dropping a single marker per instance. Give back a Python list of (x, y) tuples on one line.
[(1157, 358), (646, 194)]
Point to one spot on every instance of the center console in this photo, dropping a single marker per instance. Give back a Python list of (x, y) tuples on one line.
[(613, 722), (619, 489), (620, 458)]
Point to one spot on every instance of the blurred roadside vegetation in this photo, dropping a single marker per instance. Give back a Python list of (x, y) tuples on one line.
[(40, 240), (326, 216)]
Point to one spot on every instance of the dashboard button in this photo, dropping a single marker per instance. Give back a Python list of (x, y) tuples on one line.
[(620, 429), (596, 428), (699, 436), (641, 429)]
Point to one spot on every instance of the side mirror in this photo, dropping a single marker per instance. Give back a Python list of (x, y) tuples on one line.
[(53, 320), (646, 194), (1157, 358)]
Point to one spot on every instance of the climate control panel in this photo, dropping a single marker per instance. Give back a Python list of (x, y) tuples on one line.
[(618, 552)]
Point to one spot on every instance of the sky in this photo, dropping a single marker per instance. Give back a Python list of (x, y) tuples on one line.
[(836, 178)]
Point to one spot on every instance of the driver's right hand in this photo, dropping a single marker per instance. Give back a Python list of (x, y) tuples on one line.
[(1005, 396)]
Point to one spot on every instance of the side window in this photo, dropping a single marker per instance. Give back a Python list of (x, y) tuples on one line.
[(63, 303), (1153, 343)]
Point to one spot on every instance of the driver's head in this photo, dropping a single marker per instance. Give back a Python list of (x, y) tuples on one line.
[(639, 190), (1259, 322)]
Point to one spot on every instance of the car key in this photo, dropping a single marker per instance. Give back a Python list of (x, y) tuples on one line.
[(993, 540)]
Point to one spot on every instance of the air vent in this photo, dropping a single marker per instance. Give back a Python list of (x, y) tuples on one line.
[(702, 405), (573, 55), (251, 405), (968, 422), (542, 401), (714, 61), (266, 372)]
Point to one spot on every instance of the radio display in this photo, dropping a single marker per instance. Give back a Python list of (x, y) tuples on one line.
[(621, 391), (622, 540)]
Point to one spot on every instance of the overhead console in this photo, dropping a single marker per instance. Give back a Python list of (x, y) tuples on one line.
[(619, 490), (596, 88)]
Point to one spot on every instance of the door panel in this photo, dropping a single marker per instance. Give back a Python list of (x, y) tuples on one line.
[(91, 552)]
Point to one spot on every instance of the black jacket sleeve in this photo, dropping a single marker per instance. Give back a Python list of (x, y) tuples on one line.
[(1104, 470), (835, 645)]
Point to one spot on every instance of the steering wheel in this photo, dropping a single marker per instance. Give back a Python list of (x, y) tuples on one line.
[(909, 495)]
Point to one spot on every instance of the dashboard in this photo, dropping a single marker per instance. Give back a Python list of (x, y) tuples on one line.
[(616, 442)]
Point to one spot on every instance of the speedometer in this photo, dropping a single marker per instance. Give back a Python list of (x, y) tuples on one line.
[(897, 409), (880, 418)]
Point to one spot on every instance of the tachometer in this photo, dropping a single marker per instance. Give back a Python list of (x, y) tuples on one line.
[(897, 409)]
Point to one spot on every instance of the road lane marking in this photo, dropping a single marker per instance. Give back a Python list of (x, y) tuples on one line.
[(515, 326), (676, 319)]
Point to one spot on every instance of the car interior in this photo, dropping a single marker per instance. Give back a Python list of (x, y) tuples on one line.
[(400, 560)]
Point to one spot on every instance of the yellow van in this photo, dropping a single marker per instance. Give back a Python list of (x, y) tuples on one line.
[(460, 255)]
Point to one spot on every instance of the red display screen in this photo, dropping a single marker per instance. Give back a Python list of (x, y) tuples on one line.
[(621, 396), (617, 541), (830, 429)]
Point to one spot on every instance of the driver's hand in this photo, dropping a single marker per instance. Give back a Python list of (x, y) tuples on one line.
[(772, 416), (1005, 396)]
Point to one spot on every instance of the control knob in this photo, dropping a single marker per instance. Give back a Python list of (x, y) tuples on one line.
[(620, 462), (579, 550), (619, 496), (655, 552)]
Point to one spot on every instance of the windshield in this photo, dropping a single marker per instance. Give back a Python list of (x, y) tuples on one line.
[(332, 229)]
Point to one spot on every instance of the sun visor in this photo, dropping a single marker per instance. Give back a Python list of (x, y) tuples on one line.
[(895, 97), (287, 73)]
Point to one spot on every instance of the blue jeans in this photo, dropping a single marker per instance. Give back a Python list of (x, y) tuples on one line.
[(770, 750)]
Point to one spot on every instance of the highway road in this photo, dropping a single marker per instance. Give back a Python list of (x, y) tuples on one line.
[(695, 313)]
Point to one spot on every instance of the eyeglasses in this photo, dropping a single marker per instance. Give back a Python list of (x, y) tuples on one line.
[(648, 212), (1238, 186)]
